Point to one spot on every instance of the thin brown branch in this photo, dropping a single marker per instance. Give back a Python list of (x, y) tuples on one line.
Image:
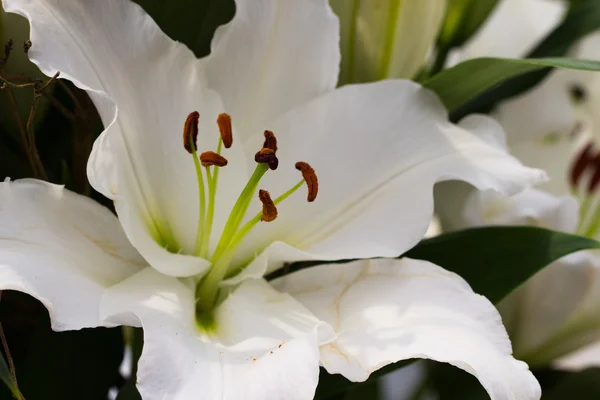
[(27, 81), (59, 106), (79, 107), (31, 138), (8, 84), (22, 133)]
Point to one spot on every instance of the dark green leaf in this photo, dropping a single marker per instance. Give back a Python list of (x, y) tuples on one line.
[(496, 260), (582, 385), (582, 19), (463, 82), (463, 19), (192, 22)]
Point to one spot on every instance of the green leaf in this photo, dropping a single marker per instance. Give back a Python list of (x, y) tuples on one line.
[(463, 82), (192, 22), (496, 260), (463, 19), (582, 19), (7, 378)]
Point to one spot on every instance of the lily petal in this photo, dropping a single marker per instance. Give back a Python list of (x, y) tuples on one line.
[(513, 29), (61, 248), (378, 150), (144, 85), (265, 345), (560, 309), (530, 207), (586, 357), (274, 55), (387, 310)]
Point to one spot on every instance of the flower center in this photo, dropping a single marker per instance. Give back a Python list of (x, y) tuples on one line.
[(207, 167)]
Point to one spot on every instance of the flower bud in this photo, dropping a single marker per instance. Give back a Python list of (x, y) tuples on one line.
[(383, 39)]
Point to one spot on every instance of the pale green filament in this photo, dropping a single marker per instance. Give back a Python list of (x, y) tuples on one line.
[(244, 230), (212, 191), (198, 249), (208, 288), (594, 224), (239, 210)]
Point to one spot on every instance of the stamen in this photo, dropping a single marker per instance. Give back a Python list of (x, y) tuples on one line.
[(310, 177), (224, 122), (190, 132), (210, 158), (595, 180), (582, 162), (267, 156), (270, 141), (269, 211)]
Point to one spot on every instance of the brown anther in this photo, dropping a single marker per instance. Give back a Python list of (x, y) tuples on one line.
[(582, 162), (190, 132), (224, 122), (270, 141), (310, 177), (267, 156), (595, 179), (209, 158), (269, 210)]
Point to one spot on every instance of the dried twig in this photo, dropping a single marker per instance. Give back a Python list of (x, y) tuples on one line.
[(22, 133)]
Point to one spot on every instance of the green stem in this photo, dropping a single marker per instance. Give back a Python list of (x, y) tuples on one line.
[(440, 60)]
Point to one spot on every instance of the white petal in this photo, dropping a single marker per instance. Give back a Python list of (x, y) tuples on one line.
[(273, 56), (377, 150), (513, 29), (144, 86), (61, 248), (530, 207), (389, 310), (586, 357), (265, 345)]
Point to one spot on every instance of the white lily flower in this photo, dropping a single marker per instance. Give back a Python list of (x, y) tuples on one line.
[(382, 39), (213, 326), (553, 318)]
